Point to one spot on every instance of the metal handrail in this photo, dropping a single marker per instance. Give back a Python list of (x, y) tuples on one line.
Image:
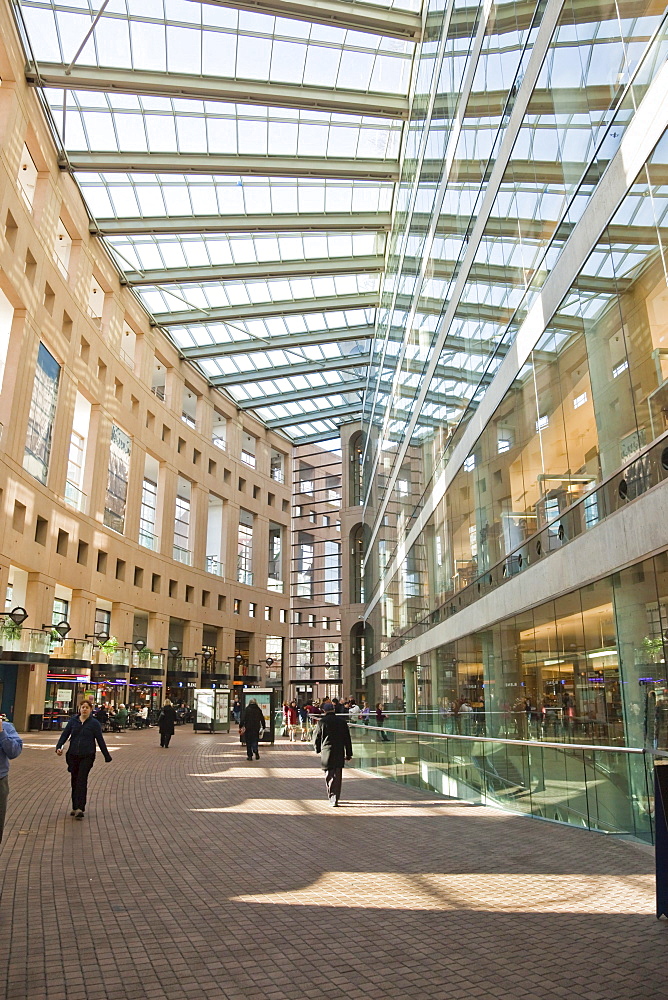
[(520, 743)]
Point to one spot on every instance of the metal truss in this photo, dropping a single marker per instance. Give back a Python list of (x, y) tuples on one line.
[(289, 341), (259, 271), (149, 83), (293, 307), (327, 222), (235, 165)]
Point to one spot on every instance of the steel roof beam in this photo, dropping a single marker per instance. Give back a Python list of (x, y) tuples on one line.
[(356, 16), (322, 436), (342, 389), (543, 101), (501, 274), (523, 14), (151, 83), (288, 371), (292, 307), (289, 341), (369, 264), (221, 165), (523, 229), (499, 315), (332, 413), (324, 222)]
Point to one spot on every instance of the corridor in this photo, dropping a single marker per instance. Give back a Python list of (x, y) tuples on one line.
[(199, 874)]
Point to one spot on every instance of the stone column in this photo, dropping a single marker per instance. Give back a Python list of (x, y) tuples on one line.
[(410, 692), (31, 679), (82, 613)]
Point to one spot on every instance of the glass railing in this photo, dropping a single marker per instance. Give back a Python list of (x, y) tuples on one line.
[(552, 724), (182, 665), (28, 640), (606, 789), (148, 540), (182, 555), (73, 649), (647, 469), (245, 576), (115, 658), (147, 661), (75, 497), (215, 565), (276, 586)]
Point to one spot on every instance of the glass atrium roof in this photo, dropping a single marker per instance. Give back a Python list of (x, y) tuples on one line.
[(240, 165)]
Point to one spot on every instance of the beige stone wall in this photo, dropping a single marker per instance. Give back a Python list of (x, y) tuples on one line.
[(52, 307)]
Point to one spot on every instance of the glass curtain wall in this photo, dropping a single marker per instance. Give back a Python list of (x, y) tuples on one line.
[(494, 416)]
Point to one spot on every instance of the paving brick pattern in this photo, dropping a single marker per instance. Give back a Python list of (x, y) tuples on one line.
[(197, 874)]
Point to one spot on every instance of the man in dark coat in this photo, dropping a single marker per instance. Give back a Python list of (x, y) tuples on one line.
[(332, 741), (251, 725), (166, 723)]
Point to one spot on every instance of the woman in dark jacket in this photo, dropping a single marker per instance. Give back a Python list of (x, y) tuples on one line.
[(166, 723), (252, 724), (83, 732)]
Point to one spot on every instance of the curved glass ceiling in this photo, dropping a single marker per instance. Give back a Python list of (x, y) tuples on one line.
[(241, 167)]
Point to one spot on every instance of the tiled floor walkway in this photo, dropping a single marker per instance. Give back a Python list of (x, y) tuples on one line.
[(197, 874)]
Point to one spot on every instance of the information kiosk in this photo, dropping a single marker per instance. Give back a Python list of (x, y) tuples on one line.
[(212, 710)]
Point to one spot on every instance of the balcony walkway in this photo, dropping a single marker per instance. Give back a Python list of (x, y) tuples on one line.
[(197, 874)]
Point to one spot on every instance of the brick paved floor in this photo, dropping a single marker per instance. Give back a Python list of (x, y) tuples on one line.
[(199, 875)]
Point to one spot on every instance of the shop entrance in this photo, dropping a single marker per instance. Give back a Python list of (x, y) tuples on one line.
[(8, 674)]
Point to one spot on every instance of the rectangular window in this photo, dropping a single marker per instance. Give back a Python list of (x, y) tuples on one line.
[(276, 466), (219, 430), (75, 458), (248, 444), (245, 548), (303, 652), (182, 525), (332, 573), (62, 248), (61, 611), (95, 300), (148, 513), (305, 478), (102, 622), (42, 414), (579, 401), (274, 568), (117, 480), (305, 556), (77, 454), (27, 177), (332, 660)]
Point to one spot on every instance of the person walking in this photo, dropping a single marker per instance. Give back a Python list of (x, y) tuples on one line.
[(332, 741), (251, 726), (83, 731), (380, 719), (11, 746), (166, 723), (291, 718)]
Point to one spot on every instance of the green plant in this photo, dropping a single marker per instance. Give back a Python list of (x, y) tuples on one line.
[(110, 646), (653, 647), (10, 630), (144, 654)]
